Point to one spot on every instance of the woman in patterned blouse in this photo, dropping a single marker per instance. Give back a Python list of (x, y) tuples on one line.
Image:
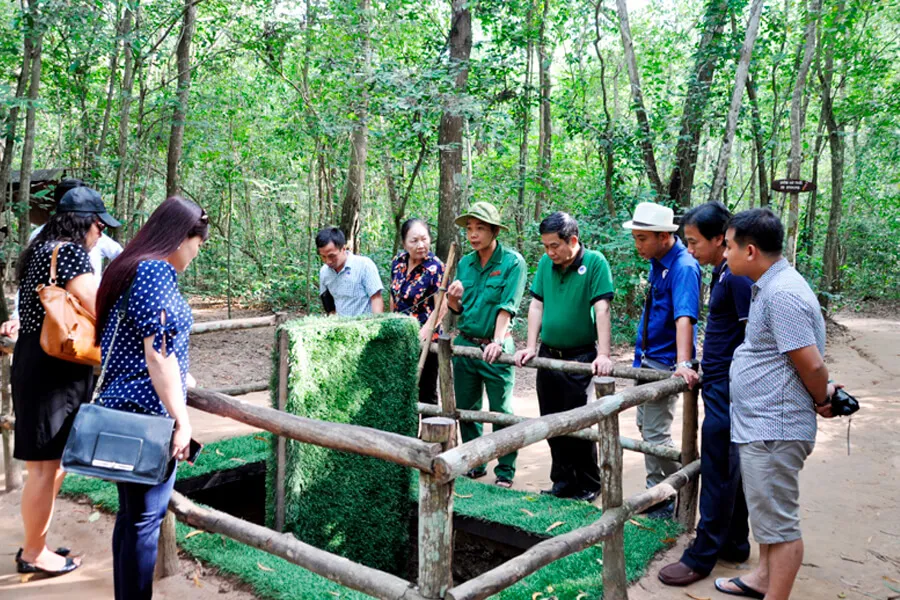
[(416, 275)]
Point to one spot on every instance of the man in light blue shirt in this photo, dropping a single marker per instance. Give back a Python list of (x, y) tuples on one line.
[(349, 285)]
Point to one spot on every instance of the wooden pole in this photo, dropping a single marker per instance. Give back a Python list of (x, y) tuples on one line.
[(436, 517), (11, 467), (542, 554), (445, 377), (240, 390), (280, 442), (331, 566), (686, 511), (566, 366), (167, 549), (439, 300), (251, 323), (392, 447), (455, 462), (478, 416), (615, 586)]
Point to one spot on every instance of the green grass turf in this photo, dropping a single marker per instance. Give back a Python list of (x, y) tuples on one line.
[(363, 372)]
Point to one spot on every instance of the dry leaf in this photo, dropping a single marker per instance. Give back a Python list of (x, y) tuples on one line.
[(463, 495), (193, 533), (335, 594), (536, 595), (554, 526), (263, 567), (262, 439), (240, 460), (527, 512), (669, 540), (842, 595), (580, 595), (641, 525), (529, 498), (197, 581), (891, 579), (219, 452), (95, 516), (697, 597), (600, 561), (549, 589)]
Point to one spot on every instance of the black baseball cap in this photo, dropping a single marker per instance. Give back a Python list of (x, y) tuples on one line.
[(85, 200)]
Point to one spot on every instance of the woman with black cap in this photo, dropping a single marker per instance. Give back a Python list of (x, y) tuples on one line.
[(47, 391)]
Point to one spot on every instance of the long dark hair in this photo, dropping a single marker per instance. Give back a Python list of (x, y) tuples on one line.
[(63, 227), (168, 227)]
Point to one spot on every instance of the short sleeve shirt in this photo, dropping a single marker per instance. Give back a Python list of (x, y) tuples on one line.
[(71, 261), (675, 289), (414, 293), (352, 288), (127, 384), (768, 399), (569, 295), (729, 306), (498, 285)]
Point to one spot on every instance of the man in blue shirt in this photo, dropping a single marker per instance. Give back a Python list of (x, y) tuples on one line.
[(666, 333), (723, 530)]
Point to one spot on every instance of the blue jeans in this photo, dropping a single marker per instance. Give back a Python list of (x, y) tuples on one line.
[(135, 537), (723, 530)]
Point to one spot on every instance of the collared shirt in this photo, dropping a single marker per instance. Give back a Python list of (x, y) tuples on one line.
[(768, 399), (729, 305), (498, 285), (569, 295), (675, 286), (414, 293), (353, 287)]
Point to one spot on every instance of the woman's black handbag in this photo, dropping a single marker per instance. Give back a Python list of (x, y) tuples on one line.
[(117, 445)]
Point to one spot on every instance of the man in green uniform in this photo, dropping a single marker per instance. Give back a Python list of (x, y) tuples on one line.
[(486, 296), (571, 292)]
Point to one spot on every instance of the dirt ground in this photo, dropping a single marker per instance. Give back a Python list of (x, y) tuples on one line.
[(850, 504)]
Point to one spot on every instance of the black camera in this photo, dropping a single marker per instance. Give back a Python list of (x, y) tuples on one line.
[(843, 404)]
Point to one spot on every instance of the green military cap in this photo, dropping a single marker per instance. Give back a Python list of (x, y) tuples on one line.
[(483, 211)]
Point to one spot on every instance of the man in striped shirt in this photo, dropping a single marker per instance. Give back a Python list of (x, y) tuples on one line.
[(349, 285)]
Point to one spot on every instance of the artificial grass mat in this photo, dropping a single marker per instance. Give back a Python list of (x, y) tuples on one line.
[(568, 578), (360, 371)]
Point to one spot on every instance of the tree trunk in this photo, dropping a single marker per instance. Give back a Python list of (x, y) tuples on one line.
[(546, 136), (34, 85), (450, 134), (122, 28), (12, 118), (637, 97), (798, 119), (709, 49), (810, 240), (124, 111), (737, 95), (359, 139), (176, 139), (607, 146), (526, 127), (760, 152)]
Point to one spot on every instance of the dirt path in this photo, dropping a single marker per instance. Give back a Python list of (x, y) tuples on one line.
[(851, 504)]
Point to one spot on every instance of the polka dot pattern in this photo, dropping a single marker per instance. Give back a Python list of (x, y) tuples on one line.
[(127, 384), (73, 260)]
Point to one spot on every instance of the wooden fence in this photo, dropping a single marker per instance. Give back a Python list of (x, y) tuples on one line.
[(440, 461)]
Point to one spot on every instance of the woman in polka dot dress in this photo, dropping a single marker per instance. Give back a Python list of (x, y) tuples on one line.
[(147, 369), (47, 391)]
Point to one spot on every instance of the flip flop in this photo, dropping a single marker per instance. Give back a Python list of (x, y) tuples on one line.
[(746, 590)]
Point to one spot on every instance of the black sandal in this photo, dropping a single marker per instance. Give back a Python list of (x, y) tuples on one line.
[(25, 567), (745, 590)]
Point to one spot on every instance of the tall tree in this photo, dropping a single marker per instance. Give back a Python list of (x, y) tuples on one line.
[(545, 140), (526, 126), (451, 129), (359, 138), (35, 31), (758, 143), (12, 119), (176, 137), (127, 87), (111, 85), (607, 141)]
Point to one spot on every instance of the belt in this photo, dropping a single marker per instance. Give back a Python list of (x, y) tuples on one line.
[(480, 341), (567, 352)]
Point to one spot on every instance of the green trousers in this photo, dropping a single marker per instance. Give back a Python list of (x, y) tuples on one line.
[(470, 380)]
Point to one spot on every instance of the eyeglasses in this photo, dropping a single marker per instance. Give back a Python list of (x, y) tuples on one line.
[(204, 218)]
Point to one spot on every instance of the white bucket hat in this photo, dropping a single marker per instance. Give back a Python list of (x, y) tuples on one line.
[(652, 217)]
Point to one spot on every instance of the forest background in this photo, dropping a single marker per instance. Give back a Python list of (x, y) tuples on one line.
[(280, 117)]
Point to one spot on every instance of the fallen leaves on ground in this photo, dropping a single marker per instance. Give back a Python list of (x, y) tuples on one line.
[(689, 595), (95, 516), (554, 526), (458, 495), (527, 512), (260, 438), (219, 452), (641, 525), (193, 533), (263, 567)]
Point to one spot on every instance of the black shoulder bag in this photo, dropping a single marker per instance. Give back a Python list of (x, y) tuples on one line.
[(118, 445)]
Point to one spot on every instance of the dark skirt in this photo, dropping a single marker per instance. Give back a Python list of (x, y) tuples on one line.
[(46, 395)]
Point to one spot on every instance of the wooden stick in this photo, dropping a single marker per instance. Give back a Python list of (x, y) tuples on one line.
[(455, 462), (167, 549), (566, 366), (240, 390), (331, 566), (548, 551), (281, 443), (251, 323), (12, 468), (428, 328), (436, 518), (392, 447), (688, 497), (445, 375), (478, 416), (614, 583)]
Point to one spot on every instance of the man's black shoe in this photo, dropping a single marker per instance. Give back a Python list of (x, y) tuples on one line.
[(559, 489), (586, 495)]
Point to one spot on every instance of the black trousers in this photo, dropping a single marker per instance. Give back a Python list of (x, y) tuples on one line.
[(574, 461), (428, 381)]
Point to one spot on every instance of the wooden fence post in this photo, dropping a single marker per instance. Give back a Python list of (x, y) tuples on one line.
[(445, 375), (167, 553), (281, 443), (12, 467), (436, 517), (686, 512), (614, 584)]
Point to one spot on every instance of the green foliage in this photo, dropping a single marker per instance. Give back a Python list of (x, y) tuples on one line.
[(359, 371)]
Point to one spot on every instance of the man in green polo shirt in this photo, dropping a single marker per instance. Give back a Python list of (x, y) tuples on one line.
[(486, 296), (571, 293)]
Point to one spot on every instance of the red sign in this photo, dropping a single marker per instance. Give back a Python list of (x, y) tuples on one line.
[(793, 185)]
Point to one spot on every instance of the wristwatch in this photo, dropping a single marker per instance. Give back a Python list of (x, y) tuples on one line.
[(687, 364), (497, 341)]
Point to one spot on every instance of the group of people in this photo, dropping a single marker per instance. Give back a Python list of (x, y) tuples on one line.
[(145, 365), (764, 377)]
